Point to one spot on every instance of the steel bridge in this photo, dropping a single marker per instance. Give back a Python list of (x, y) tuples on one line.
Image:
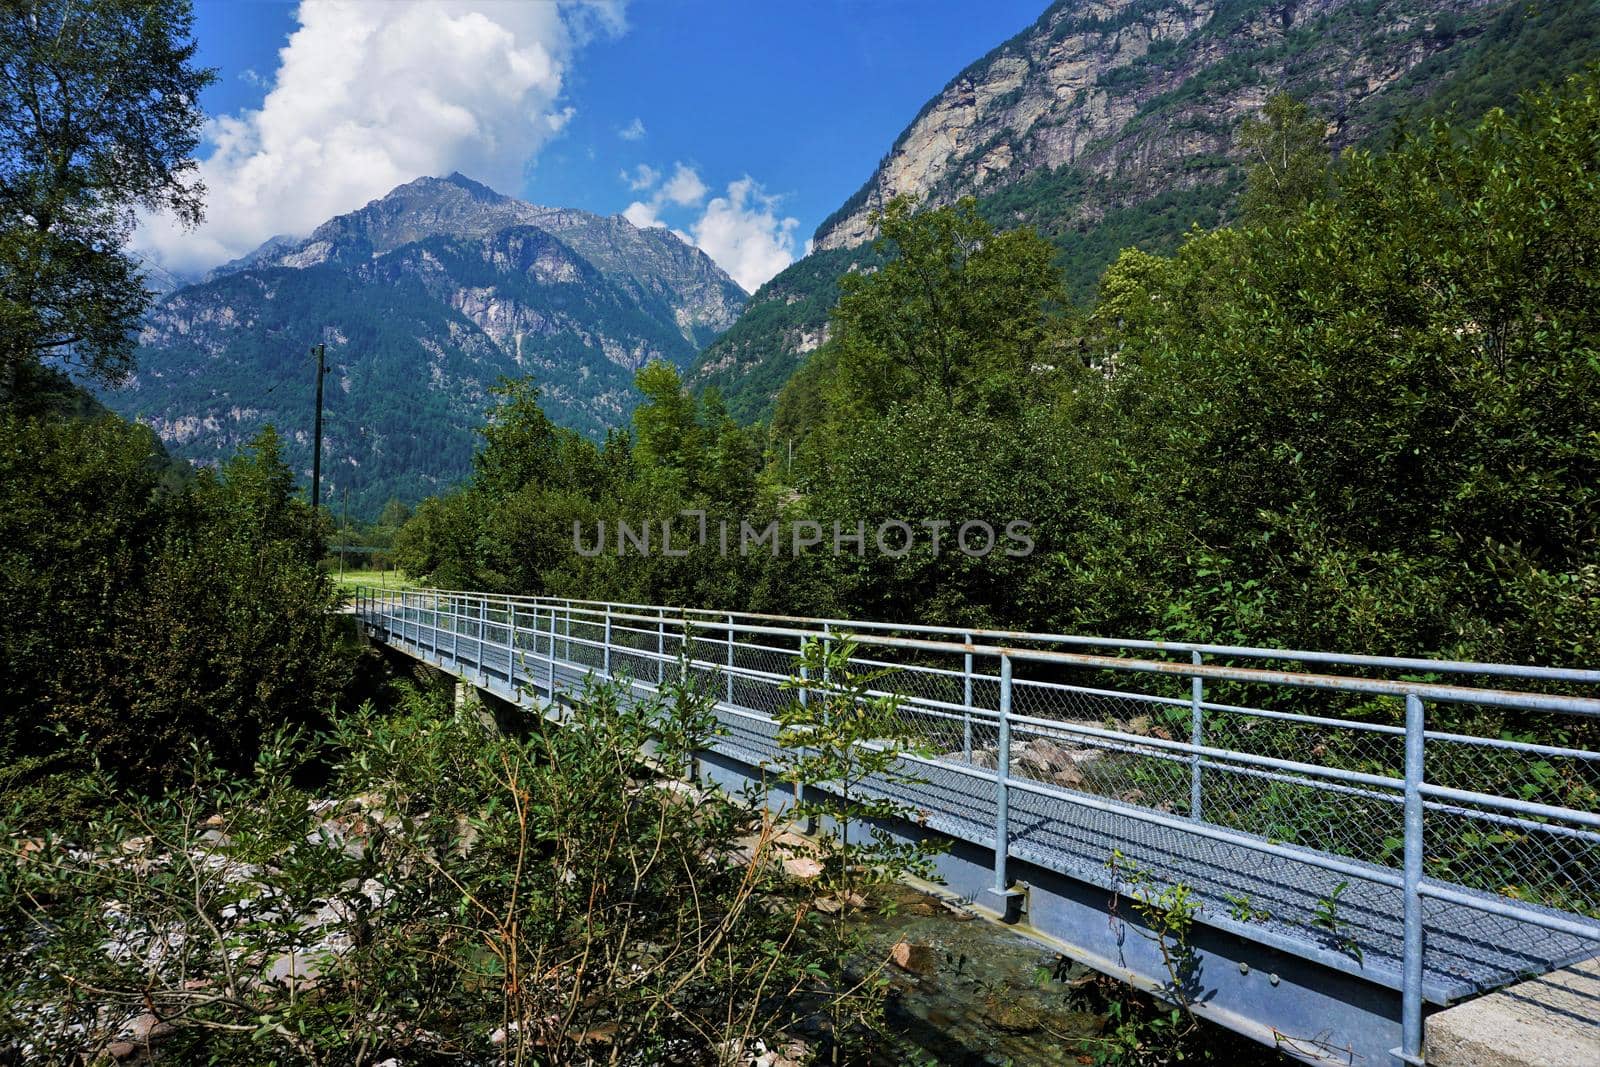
[(1368, 838)]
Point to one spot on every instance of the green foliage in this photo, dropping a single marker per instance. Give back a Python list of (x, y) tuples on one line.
[(1242, 909), (684, 457), (1363, 428), (843, 747), (450, 893), (746, 363), (144, 619), (1091, 220), (667, 438), (440, 541), (1327, 916), (518, 439), (958, 316), (99, 113), (1166, 912), (1288, 160), (1489, 56)]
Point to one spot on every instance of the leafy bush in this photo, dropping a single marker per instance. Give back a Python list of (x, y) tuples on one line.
[(143, 618), (467, 895)]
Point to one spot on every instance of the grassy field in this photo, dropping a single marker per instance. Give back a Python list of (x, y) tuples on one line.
[(390, 579)]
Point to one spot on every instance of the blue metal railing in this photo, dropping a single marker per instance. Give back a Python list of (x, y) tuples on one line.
[(1333, 784)]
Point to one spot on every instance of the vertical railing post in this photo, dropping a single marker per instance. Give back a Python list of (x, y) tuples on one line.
[(685, 650), (1411, 984), (455, 629), (1197, 694), (483, 637), (661, 646), (605, 650), (511, 647), (1001, 897), (730, 659), (1002, 772), (805, 698), (966, 703), (433, 643), (551, 688), (566, 632)]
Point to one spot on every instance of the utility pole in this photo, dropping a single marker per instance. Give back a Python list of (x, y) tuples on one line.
[(320, 351)]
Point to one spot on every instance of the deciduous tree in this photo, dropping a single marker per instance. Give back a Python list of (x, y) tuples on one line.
[(99, 119)]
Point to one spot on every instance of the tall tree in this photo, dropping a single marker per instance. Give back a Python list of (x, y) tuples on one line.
[(1289, 162), (519, 441), (958, 315), (668, 439), (1373, 426), (99, 119)]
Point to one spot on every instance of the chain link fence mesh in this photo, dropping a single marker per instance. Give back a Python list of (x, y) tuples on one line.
[(1123, 737)]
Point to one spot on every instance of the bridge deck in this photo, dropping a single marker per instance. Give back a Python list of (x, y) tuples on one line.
[(1467, 950)]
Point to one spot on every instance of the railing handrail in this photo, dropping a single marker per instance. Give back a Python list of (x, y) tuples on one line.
[(1431, 691), (1581, 675), (1411, 789)]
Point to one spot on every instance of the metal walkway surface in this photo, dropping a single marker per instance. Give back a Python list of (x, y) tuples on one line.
[(1054, 829), (1322, 822)]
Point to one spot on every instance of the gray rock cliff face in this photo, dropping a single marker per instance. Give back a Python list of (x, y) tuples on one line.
[(425, 298), (1110, 123), (1142, 89)]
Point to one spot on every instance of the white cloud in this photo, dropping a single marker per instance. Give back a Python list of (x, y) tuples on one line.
[(642, 177), (633, 130), (368, 96), (684, 187), (745, 235), (643, 215), (741, 231)]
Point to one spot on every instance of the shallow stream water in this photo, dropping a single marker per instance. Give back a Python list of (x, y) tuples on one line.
[(985, 995)]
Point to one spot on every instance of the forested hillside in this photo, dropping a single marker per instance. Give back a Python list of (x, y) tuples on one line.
[(1363, 419), (1109, 126), (425, 298), (1357, 408)]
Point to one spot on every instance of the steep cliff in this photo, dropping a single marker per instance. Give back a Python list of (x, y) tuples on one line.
[(424, 298), (1110, 123)]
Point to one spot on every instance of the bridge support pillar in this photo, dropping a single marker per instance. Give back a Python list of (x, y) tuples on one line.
[(1008, 903)]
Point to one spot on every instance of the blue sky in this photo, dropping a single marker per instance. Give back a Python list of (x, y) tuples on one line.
[(738, 125)]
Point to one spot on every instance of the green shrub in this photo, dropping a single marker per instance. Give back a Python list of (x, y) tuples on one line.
[(144, 618), (463, 895)]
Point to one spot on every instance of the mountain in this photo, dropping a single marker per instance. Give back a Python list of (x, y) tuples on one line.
[(1110, 123), (425, 298)]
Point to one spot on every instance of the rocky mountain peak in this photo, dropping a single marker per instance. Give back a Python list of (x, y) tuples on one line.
[(1145, 92), (425, 297), (1114, 123)]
